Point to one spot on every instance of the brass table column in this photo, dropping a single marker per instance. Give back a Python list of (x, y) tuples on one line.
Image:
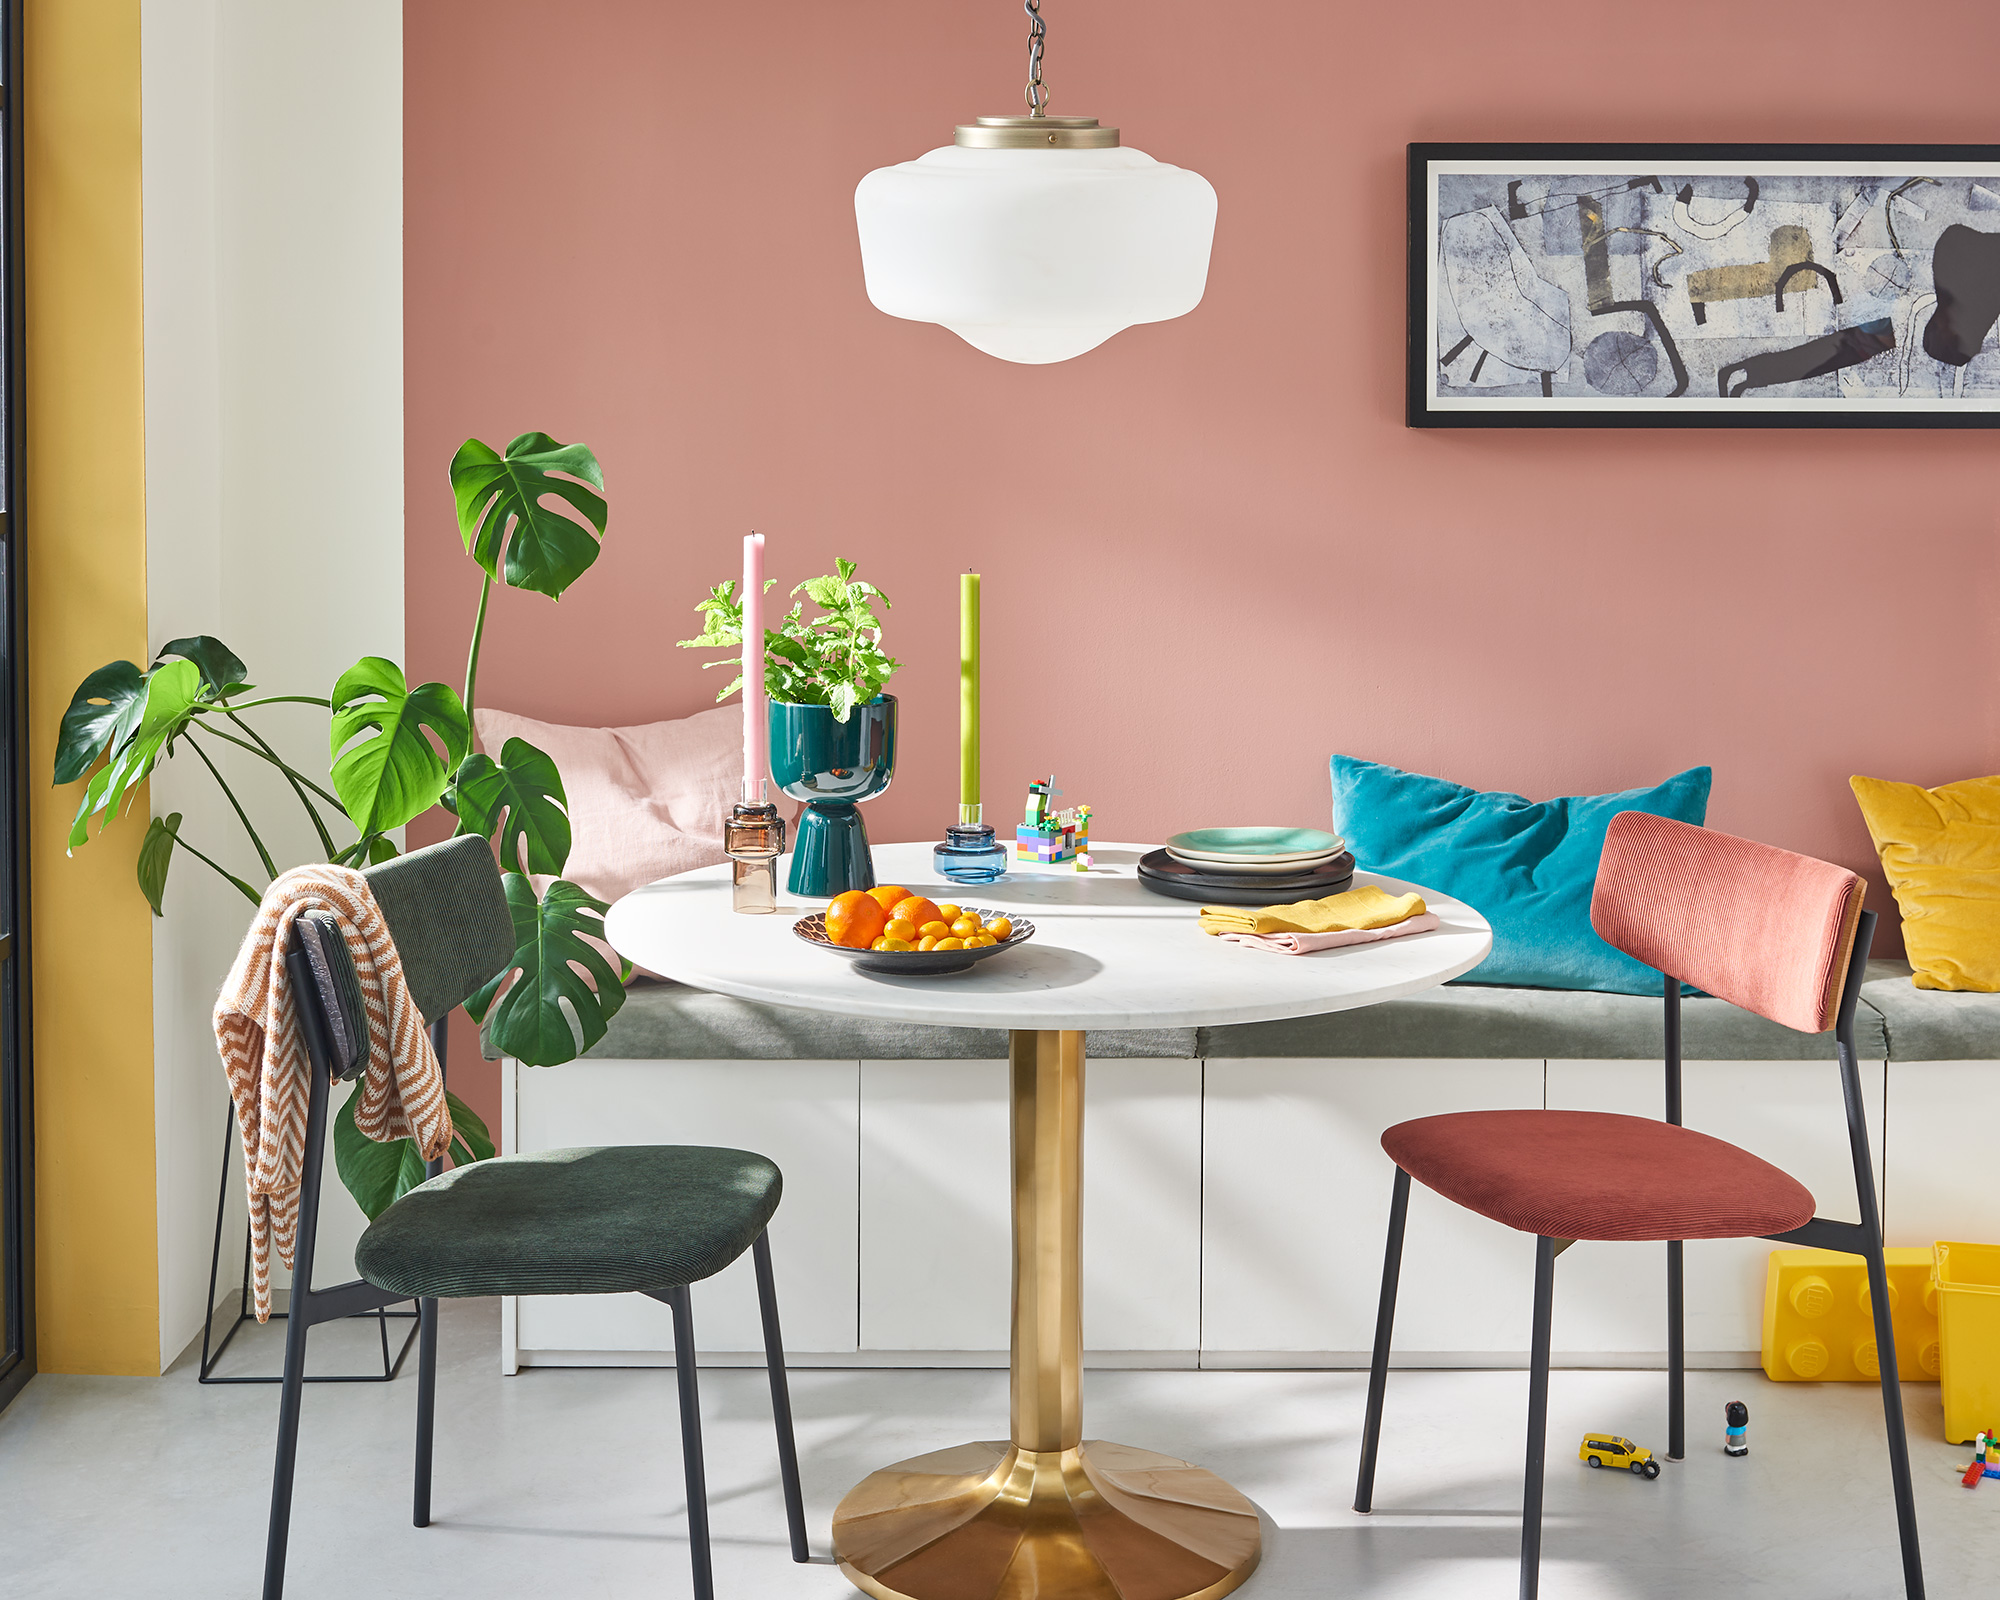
[(1046, 1513)]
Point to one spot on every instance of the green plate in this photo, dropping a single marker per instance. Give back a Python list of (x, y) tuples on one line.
[(1266, 844)]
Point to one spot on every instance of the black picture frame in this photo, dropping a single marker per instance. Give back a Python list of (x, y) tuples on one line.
[(1857, 339)]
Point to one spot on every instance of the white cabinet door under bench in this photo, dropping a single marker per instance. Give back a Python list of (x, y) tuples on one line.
[(801, 1114)]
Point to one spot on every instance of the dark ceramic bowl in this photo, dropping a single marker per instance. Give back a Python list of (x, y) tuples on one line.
[(917, 963)]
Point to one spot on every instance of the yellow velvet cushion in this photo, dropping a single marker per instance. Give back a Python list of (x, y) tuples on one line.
[(1941, 850)]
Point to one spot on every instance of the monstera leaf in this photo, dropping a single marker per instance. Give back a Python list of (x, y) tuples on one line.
[(171, 693), (378, 1175), (102, 713), (504, 524), (221, 669), (561, 975), (522, 796), (156, 855), (395, 773)]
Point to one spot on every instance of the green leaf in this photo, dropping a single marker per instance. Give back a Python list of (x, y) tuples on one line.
[(397, 774), (377, 1175), (522, 796), (504, 524), (156, 855), (560, 976), (470, 1141), (102, 713), (381, 850), (171, 692), (220, 667)]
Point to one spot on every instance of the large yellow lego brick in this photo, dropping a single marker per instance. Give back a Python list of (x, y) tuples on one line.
[(1819, 1321)]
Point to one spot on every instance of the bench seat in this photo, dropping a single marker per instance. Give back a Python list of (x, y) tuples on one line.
[(1931, 1024), (664, 1021)]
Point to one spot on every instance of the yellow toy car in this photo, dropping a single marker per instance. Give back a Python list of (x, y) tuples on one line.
[(1608, 1450)]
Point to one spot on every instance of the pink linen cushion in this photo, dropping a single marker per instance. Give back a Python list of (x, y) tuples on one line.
[(1763, 928), (644, 802)]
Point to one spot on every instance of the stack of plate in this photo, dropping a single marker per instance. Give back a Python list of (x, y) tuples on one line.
[(1249, 866)]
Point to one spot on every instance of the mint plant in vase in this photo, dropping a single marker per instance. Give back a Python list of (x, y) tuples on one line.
[(833, 730)]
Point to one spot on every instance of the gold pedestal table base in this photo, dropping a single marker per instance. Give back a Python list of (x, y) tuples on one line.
[(1046, 1515)]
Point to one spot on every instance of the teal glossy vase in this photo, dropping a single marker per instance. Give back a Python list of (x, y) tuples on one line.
[(830, 766)]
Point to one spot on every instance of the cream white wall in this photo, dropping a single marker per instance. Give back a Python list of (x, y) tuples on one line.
[(274, 462)]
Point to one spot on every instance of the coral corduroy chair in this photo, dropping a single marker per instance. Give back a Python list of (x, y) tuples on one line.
[(1779, 934)]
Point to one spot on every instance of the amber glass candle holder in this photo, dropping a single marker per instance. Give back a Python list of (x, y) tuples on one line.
[(753, 837)]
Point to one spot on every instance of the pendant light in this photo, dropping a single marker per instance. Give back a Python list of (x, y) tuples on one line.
[(1035, 238)]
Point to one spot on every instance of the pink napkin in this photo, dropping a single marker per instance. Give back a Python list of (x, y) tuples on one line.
[(1300, 944)]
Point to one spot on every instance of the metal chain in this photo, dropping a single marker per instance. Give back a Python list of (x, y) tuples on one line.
[(1036, 95)]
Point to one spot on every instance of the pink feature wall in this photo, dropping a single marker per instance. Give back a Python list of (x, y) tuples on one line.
[(1212, 552)]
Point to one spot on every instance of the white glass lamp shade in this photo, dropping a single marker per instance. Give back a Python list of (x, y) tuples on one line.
[(1035, 255)]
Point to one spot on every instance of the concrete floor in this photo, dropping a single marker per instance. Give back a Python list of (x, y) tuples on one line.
[(568, 1482)]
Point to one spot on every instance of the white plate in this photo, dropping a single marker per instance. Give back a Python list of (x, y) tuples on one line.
[(1291, 867), (1241, 863)]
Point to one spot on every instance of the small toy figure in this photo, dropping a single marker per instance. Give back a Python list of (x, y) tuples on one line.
[(1983, 1463), (1046, 836), (1736, 1429), (1610, 1450)]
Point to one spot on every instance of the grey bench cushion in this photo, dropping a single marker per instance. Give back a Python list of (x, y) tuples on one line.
[(671, 1022), (1472, 1021), (1931, 1024), (664, 1021)]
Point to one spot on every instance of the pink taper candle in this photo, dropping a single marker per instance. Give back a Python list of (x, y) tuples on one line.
[(756, 726)]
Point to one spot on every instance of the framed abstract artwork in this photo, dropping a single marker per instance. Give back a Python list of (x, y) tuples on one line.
[(1677, 285)]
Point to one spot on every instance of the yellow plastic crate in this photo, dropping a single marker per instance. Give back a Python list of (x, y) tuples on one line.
[(1966, 1281), (1819, 1321)]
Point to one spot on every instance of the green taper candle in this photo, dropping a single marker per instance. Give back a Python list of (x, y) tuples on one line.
[(968, 697)]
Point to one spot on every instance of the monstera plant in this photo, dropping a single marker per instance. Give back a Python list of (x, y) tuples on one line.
[(397, 751)]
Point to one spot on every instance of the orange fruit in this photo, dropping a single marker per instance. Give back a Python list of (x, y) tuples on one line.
[(917, 910), (1001, 929), (886, 895), (855, 920)]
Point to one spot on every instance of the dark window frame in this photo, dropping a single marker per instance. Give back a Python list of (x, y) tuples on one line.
[(17, 1144)]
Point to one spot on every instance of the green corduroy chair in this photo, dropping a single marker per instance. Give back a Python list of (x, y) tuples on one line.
[(646, 1219)]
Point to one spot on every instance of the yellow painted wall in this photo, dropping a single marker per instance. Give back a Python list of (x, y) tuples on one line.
[(97, 1262)]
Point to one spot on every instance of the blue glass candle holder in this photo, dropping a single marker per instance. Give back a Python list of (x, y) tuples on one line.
[(970, 853)]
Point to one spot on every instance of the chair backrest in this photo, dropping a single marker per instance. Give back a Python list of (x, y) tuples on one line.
[(447, 915), (1763, 928)]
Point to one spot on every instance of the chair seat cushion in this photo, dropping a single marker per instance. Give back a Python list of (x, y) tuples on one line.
[(1597, 1175), (588, 1220)]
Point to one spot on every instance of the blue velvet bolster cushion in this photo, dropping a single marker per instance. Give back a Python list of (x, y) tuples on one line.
[(1528, 866)]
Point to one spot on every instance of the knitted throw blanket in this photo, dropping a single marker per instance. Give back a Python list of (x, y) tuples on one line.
[(270, 1074)]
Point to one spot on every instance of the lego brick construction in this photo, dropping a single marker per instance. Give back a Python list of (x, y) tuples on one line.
[(1704, 285)]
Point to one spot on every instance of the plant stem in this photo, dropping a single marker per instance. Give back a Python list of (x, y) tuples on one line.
[(478, 633), (243, 816), (291, 777), (278, 700), (249, 893), (267, 755)]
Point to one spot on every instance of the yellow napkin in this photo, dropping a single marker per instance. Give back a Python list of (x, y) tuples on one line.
[(1367, 907)]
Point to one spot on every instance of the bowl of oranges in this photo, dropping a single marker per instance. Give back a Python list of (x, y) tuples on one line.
[(889, 929)]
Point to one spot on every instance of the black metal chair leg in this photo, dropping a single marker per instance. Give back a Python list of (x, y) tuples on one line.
[(1892, 1414), (1385, 1318), (697, 1479), (1538, 1420), (290, 1396), (781, 1397), (1676, 1356), (427, 1366)]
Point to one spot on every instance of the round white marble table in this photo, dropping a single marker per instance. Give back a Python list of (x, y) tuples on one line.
[(1044, 1512)]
